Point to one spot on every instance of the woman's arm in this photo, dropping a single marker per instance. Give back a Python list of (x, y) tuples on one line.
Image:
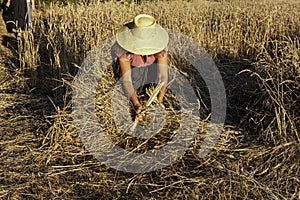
[(127, 84), (32, 5), (162, 73)]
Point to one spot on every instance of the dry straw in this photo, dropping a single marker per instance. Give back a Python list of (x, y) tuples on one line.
[(256, 47)]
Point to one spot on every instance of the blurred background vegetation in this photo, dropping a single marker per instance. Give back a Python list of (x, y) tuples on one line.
[(39, 2), (85, 1)]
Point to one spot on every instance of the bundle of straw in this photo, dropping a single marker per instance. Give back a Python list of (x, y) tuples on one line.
[(152, 98)]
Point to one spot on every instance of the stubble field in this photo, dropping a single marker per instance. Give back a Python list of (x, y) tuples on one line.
[(255, 46)]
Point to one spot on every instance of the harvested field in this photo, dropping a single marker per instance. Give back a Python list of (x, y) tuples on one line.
[(255, 46)]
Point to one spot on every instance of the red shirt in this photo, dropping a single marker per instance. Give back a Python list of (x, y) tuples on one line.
[(138, 60)]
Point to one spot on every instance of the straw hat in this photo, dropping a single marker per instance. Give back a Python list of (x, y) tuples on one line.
[(143, 36)]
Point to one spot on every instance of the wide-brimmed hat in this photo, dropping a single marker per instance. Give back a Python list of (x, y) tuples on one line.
[(143, 36)]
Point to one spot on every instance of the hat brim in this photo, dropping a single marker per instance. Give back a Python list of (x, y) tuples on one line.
[(143, 46)]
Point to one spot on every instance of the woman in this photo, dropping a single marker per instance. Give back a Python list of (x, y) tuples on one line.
[(142, 44), (22, 15)]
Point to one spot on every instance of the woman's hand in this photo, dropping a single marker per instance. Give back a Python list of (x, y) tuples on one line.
[(140, 112), (138, 108)]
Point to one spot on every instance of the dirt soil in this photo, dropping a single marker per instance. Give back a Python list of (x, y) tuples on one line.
[(21, 121)]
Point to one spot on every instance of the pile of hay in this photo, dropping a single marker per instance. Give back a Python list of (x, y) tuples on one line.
[(256, 49)]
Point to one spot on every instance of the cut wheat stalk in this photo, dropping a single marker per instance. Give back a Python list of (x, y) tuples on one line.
[(151, 99), (153, 96)]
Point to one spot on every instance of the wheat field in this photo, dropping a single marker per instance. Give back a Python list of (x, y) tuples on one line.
[(256, 47)]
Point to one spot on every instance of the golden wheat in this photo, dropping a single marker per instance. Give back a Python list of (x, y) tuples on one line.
[(255, 45)]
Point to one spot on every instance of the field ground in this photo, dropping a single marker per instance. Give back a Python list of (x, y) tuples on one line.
[(257, 156), (22, 119)]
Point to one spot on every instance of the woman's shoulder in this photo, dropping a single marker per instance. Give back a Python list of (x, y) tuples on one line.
[(162, 53)]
